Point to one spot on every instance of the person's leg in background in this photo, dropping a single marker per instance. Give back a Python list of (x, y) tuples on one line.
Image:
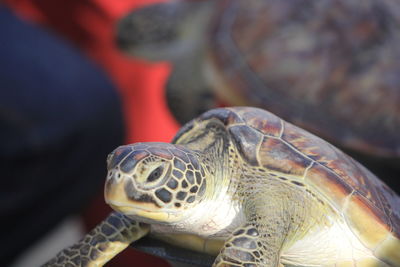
[(59, 118)]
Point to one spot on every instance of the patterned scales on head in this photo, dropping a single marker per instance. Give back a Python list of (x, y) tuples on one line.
[(158, 160), (242, 184)]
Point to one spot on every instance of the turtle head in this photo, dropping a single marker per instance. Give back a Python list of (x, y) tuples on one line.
[(154, 181), (162, 31)]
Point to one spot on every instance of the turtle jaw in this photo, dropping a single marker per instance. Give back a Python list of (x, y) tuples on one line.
[(144, 209), (140, 213)]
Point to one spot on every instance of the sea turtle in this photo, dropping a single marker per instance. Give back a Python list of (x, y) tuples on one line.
[(243, 184), (329, 66)]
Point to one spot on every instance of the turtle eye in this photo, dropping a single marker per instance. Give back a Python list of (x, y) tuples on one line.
[(155, 174)]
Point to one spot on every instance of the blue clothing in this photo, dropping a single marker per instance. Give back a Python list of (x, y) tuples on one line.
[(59, 117)]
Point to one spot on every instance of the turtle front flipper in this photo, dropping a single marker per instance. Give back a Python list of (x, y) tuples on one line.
[(246, 248), (99, 246)]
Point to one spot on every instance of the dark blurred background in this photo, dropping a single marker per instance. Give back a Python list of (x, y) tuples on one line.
[(68, 97)]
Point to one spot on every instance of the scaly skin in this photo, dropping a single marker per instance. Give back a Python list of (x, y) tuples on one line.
[(99, 246)]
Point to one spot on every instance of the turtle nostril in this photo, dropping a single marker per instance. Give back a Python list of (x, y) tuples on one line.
[(114, 175)]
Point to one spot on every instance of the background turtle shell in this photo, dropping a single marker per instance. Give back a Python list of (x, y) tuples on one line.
[(371, 209), (330, 66)]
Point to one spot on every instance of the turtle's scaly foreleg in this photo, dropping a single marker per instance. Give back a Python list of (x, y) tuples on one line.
[(105, 241), (246, 248)]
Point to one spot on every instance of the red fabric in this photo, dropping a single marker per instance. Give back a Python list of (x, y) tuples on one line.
[(89, 24)]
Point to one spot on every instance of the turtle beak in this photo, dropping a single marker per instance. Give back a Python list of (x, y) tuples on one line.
[(120, 188), (122, 195), (116, 196), (114, 190)]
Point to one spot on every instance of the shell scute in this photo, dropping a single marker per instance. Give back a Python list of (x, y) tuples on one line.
[(329, 185), (367, 221), (366, 184), (246, 140), (389, 199), (327, 155), (311, 145), (262, 120), (347, 170), (278, 156)]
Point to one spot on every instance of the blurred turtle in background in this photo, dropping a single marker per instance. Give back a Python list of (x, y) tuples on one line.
[(330, 66)]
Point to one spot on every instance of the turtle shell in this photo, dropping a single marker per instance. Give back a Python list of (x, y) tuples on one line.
[(370, 208), (331, 67)]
